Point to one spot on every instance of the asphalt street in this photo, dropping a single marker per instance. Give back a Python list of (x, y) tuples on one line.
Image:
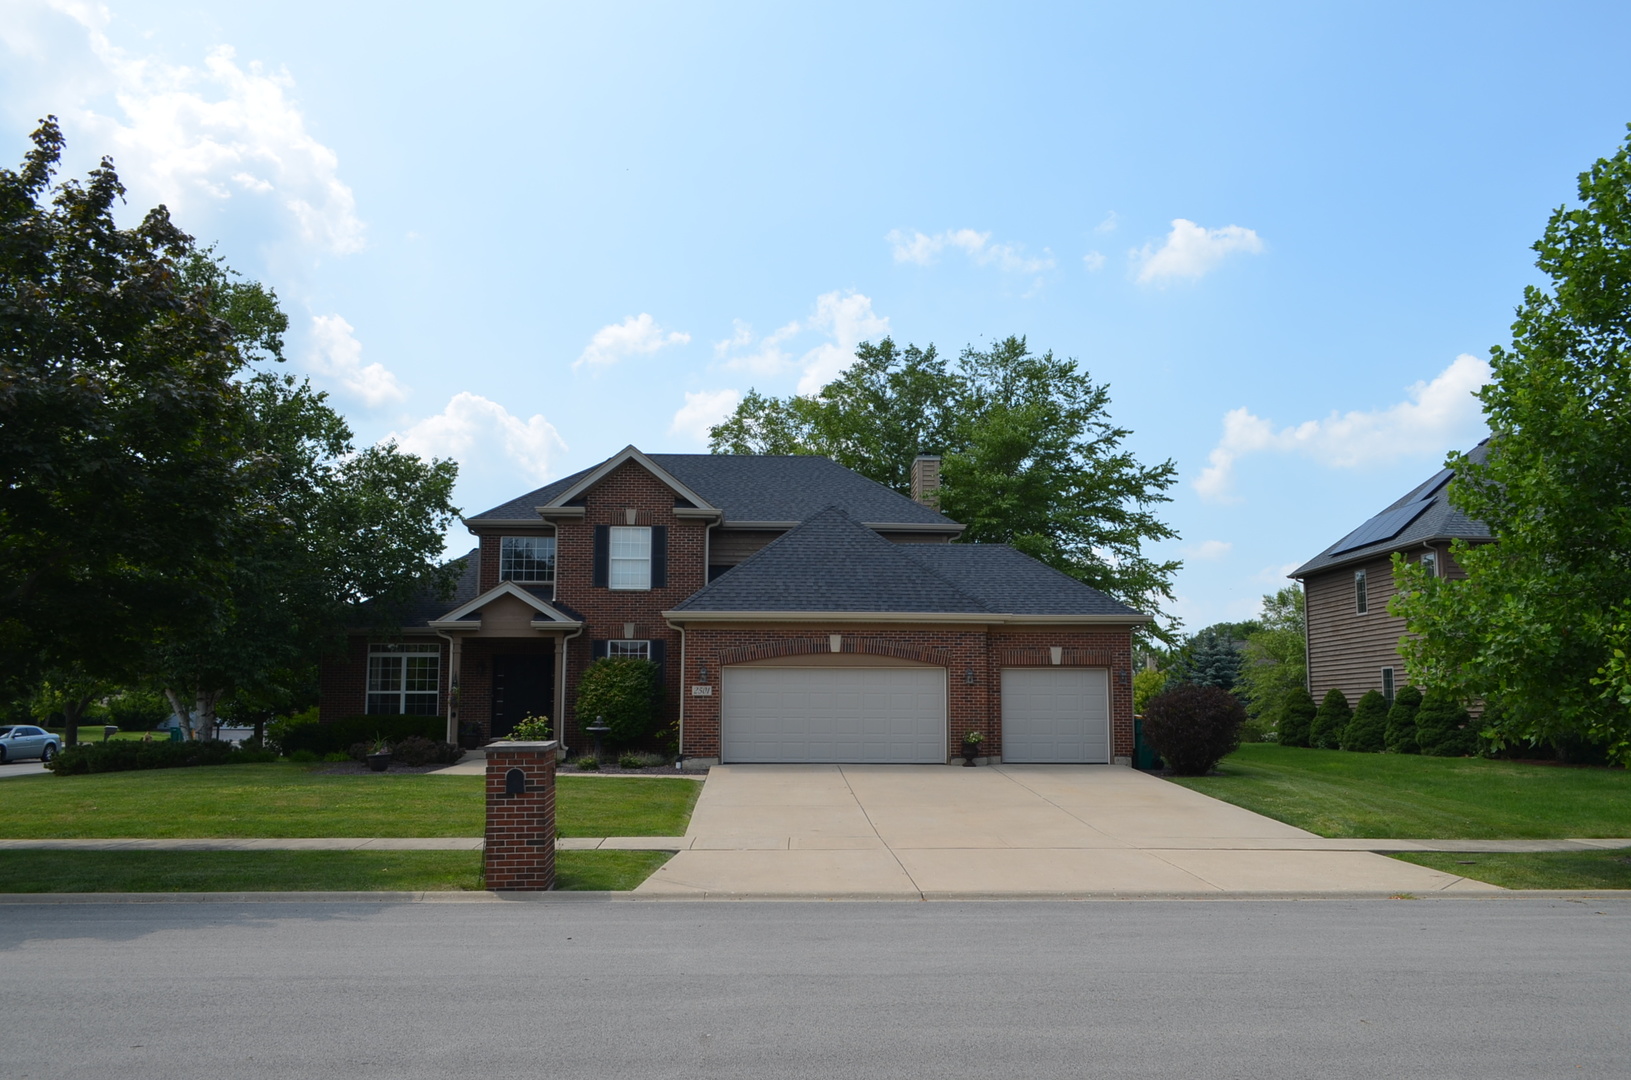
[(1439, 988)]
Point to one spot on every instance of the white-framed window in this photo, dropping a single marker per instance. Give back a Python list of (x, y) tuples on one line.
[(630, 557), (527, 559), (1429, 563), (639, 650), (403, 679), (1387, 684), (1361, 593)]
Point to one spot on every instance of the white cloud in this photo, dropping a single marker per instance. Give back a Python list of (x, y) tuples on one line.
[(1111, 220), (1210, 550), (924, 250), (337, 352), (476, 431), (1276, 575), (845, 319), (192, 137), (1093, 260), (701, 411), (635, 335), (1191, 251), (1438, 413)]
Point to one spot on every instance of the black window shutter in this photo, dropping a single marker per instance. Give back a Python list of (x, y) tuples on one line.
[(659, 656), (603, 558), (597, 650), (659, 556)]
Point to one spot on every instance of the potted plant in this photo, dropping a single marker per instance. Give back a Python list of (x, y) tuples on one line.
[(971, 748), (379, 754)]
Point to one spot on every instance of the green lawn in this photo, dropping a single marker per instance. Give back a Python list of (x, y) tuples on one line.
[(286, 800), (298, 871), (1534, 870), (1389, 796)]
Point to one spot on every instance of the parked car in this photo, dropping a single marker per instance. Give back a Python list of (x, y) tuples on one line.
[(19, 741)]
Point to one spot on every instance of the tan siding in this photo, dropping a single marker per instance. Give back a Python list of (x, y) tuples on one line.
[(727, 547), (916, 537), (1345, 649)]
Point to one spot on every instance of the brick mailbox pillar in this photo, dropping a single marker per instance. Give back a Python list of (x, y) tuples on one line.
[(520, 849)]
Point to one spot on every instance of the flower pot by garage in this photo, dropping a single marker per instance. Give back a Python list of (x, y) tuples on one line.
[(970, 752), (379, 762)]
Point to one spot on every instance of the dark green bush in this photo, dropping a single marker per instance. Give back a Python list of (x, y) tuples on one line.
[(1443, 728), (278, 730), (304, 757), (1193, 727), (1296, 716), (129, 755), (1366, 732), (1330, 721), (586, 763), (1400, 734), (138, 710), (623, 691), (339, 736), (415, 752)]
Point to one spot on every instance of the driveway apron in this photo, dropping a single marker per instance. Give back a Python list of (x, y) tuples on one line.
[(931, 831)]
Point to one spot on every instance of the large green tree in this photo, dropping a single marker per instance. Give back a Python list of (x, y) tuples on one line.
[(1275, 664), (1531, 625), (1030, 454)]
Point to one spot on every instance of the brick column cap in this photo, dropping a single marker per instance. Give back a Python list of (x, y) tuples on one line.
[(536, 747)]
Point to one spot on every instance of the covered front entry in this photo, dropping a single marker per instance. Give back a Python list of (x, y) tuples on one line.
[(1056, 714), (523, 685), (852, 715)]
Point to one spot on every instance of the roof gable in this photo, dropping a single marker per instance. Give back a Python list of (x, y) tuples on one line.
[(546, 612), (589, 479)]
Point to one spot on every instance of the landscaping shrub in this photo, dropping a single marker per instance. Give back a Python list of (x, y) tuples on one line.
[(1296, 717), (624, 692), (1400, 733), (138, 710), (641, 761), (1147, 684), (587, 763), (1443, 728), (1330, 721), (129, 755), (339, 736), (1367, 731), (278, 730), (1193, 727), (304, 757), (414, 752)]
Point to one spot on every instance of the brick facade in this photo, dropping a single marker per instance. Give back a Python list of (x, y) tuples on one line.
[(343, 681), (520, 841)]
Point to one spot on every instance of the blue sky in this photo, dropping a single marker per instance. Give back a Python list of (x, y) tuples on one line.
[(525, 236)]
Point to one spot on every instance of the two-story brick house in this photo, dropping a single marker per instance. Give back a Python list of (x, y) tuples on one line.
[(798, 611)]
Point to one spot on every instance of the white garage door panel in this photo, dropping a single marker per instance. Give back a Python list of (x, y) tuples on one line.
[(853, 715), (1056, 714)]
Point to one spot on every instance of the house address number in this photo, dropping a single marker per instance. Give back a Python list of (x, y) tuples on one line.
[(702, 691)]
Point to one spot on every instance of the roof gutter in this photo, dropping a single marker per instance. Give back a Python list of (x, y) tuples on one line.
[(970, 617)]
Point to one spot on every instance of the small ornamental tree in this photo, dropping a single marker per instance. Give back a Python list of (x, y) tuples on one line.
[(1367, 731), (623, 691), (1443, 727), (1325, 733), (1295, 717), (1400, 732), (1147, 684), (1193, 727)]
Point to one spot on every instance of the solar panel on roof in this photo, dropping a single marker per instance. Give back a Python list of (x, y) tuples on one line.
[(1384, 526), (1443, 477)]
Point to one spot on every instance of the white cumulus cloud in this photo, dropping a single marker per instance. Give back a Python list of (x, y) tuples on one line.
[(701, 411), (634, 336), (194, 137), (1093, 260), (924, 250), (1111, 220), (1435, 414), (1190, 251), (336, 352), (482, 435), (843, 318), (1210, 550)]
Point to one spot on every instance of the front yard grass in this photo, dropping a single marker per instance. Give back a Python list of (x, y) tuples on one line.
[(290, 800), (299, 871), (1534, 869), (1394, 796)]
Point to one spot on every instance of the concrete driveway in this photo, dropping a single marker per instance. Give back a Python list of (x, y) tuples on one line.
[(891, 831)]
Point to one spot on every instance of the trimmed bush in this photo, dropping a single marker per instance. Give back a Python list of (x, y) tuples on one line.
[(1193, 727), (586, 763), (415, 752), (1443, 728), (1296, 717), (339, 736), (1400, 733), (623, 691), (130, 755), (278, 730), (641, 761), (1330, 721), (1367, 731)]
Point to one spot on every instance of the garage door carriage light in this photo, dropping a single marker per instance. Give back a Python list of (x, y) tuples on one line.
[(968, 676)]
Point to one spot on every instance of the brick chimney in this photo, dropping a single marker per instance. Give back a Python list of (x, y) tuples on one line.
[(926, 481)]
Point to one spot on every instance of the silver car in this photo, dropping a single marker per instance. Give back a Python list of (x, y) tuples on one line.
[(19, 741)]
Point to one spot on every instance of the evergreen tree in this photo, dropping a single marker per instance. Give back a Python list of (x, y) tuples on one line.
[(1366, 732), (1443, 727), (1330, 721), (1296, 717), (1400, 734)]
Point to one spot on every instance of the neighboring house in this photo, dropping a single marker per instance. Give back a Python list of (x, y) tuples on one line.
[(1353, 643), (799, 613)]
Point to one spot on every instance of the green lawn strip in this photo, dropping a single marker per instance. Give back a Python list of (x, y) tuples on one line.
[(289, 800), (1392, 796), (1534, 869), (298, 871)]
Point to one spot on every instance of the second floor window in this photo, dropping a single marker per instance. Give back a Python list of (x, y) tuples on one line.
[(637, 650), (630, 566), (1429, 563), (1361, 593), (527, 559)]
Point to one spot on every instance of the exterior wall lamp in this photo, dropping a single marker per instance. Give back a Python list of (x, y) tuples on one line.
[(702, 672), (968, 676)]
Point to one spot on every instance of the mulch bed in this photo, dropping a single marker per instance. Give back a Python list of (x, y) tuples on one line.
[(351, 768)]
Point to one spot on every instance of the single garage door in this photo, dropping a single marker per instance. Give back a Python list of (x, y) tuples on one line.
[(1056, 714), (847, 715)]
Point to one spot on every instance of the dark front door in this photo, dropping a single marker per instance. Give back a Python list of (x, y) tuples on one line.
[(523, 685)]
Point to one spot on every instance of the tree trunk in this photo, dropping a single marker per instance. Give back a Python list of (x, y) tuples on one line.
[(205, 714), (183, 713), (72, 710)]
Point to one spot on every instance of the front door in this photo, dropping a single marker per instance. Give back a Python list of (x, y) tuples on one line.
[(523, 685)]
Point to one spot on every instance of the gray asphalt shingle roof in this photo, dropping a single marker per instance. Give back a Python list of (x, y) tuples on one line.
[(832, 562), (757, 488), (427, 605), (1436, 520)]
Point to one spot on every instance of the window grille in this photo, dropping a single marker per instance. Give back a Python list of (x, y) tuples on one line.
[(630, 557), (404, 679), (527, 559)]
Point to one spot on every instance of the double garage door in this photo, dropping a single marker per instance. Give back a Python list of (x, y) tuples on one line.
[(898, 715)]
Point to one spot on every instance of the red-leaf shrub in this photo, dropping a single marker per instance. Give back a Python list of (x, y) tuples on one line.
[(1193, 727)]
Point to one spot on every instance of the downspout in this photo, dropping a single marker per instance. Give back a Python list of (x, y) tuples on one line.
[(455, 658), (681, 629), (560, 712)]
